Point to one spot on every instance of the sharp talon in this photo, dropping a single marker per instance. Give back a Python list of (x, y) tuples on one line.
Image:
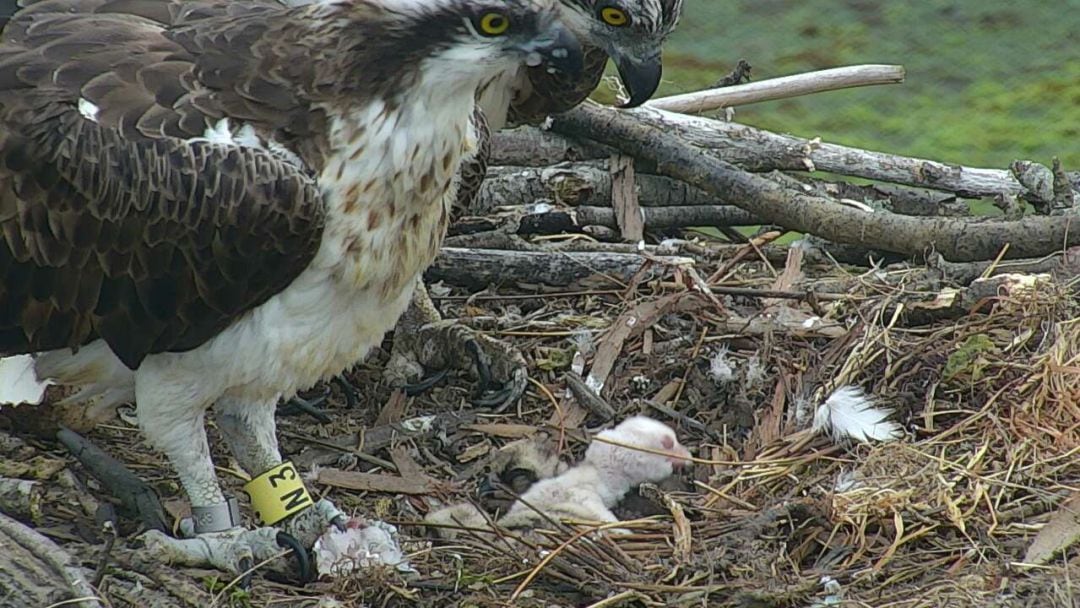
[(349, 390), (483, 370), (246, 564), (303, 560), (298, 405), (498, 400), (340, 522), (426, 383)]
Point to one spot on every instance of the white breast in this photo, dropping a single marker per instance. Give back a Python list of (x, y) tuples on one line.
[(388, 186), (388, 190)]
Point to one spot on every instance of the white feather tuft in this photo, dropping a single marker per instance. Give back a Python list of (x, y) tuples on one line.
[(18, 381), (850, 413), (755, 371), (720, 367), (88, 110), (218, 133)]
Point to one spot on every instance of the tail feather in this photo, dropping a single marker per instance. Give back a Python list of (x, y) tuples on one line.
[(19, 383)]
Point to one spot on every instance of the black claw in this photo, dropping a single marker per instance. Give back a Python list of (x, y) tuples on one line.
[(483, 369), (246, 564), (340, 522), (498, 400), (424, 384), (305, 568), (349, 390), (311, 407)]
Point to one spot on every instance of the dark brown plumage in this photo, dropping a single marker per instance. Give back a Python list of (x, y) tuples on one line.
[(216, 204), (124, 250)]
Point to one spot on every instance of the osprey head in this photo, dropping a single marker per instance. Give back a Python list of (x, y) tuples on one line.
[(632, 33), (481, 36)]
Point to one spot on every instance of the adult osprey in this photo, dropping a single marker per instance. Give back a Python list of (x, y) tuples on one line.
[(219, 203), (632, 33)]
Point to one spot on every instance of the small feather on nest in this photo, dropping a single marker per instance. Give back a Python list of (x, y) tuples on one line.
[(849, 413)]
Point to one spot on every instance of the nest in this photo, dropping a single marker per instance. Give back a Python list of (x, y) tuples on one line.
[(771, 514)]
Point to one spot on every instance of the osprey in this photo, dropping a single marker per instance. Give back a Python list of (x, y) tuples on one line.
[(212, 203), (632, 33)]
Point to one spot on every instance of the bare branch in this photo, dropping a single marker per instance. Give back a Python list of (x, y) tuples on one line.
[(955, 239), (781, 88)]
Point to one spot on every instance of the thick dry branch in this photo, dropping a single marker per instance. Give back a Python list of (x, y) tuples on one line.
[(888, 197), (531, 147), (781, 88), (21, 498), (579, 184), (34, 571), (761, 151), (656, 218), (482, 267), (585, 184), (956, 239)]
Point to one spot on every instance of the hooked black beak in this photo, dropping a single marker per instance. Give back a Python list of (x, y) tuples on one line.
[(559, 50), (641, 78)]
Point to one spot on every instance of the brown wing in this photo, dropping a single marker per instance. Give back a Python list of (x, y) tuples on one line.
[(163, 68), (119, 228), (555, 93)]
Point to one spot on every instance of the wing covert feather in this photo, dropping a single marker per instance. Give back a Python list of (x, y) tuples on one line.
[(151, 244)]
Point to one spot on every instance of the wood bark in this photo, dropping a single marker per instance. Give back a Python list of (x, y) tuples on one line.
[(21, 498), (784, 87), (478, 268), (955, 239), (580, 184), (35, 571), (758, 150), (531, 147)]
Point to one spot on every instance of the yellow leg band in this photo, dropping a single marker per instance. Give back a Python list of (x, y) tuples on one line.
[(277, 494)]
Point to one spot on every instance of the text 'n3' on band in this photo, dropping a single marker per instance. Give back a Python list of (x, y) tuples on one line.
[(277, 494)]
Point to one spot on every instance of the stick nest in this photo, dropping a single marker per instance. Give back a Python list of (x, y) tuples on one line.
[(771, 514)]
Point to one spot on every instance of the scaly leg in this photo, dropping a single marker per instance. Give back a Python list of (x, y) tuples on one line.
[(250, 431), (423, 339), (172, 419), (171, 416)]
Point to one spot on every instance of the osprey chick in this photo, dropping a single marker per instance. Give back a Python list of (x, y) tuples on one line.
[(217, 204), (588, 491)]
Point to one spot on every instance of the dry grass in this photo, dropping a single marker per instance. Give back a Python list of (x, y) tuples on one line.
[(990, 402)]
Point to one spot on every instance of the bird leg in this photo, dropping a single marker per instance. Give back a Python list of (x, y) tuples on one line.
[(424, 340), (219, 540), (251, 434)]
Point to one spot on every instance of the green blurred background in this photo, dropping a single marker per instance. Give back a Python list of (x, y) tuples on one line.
[(988, 81)]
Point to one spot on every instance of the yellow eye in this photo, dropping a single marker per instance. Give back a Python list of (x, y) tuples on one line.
[(614, 17), (494, 24)]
